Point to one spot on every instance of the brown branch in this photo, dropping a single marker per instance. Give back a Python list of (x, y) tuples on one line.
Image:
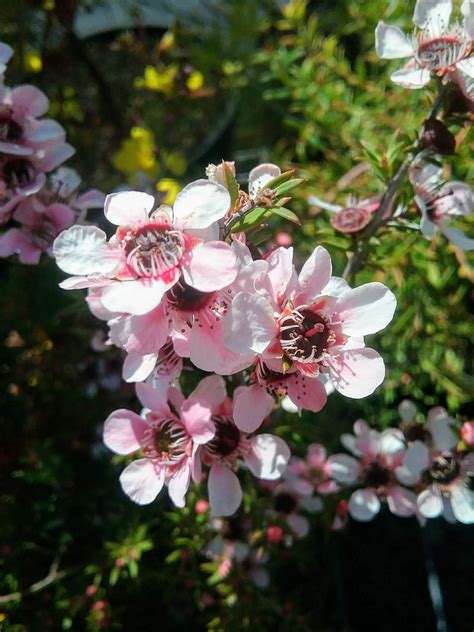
[(53, 576)]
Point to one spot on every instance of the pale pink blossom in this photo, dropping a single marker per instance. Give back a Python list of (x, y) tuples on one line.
[(351, 218), (441, 202), (265, 455), (37, 227), (373, 469), (437, 48), (311, 325), (150, 251), (293, 496), (467, 433), (167, 438), (315, 469)]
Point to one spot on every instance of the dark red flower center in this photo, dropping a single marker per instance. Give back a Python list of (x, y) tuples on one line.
[(18, 172), (376, 475), (284, 503), (444, 469), (166, 440), (227, 438), (351, 220), (187, 299), (154, 250), (305, 335), (441, 52), (10, 131)]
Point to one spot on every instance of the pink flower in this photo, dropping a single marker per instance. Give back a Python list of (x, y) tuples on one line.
[(148, 253), (167, 440), (351, 218), (441, 474), (274, 534), (306, 326), (39, 225), (441, 202), (201, 506), (315, 469), (290, 498), (374, 471), (265, 456), (437, 48), (467, 433)]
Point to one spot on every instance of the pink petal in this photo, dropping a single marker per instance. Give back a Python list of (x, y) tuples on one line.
[(178, 484), (268, 457), (225, 493), (46, 130), (212, 390), (416, 459), (61, 216), (401, 501), (141, 334), (280, 271), (315, 274), (83, 250), (124, 431), (365, 309), (200, 204), (364, 505), (142, 481), (251, 405), (56, 155), (30, 100), (462, 503), (6, 53), (196, 416), (128, 207), (343, 468), (133, 297), (137, 368), (250, 324), (316, 455), (357, 373), (207, 351), (298, 524), (153, 398), (210, 267), (13, 241), (90, 199), (306, 393)]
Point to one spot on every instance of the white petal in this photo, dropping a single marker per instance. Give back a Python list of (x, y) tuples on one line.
[(416, 459), (315, 274), (430, 503), (364, 505), (142, 481), (458, 238), (128, 207), (343, 468), (261, 175), (401, 501), (391, 42), (411, 76), (83, 250), (137, 368), (407, 411), (133, 297), (268, 457), (467, 9), (250, 324), (366, 309), (200, 204), (462, 503), (433, 14)]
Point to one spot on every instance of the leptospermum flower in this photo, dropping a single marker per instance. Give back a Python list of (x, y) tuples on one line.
[(167, 440), (192, 320), (441, 202), (303, 327), (437, 47), (374, 470), (442, 474), (265, 455), (149, 253), (353, 217), (39, 225)]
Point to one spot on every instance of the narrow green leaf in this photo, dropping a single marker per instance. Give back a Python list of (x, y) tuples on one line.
[(288, 186), (283, 177), (286, 214), (251, 219)]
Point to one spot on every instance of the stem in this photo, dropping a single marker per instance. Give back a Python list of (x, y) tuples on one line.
[(53, 576), (236, 217), (360, 255)]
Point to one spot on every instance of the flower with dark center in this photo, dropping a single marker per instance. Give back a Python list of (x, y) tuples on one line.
[(10, 131), (305, 335), (444, 469), (43, 236), (284, 503), (273, 381), (166, 440), (440, 53), (18, 172), (376, 475), (186, 298), (227, 439), (416, 432), (154, 250)]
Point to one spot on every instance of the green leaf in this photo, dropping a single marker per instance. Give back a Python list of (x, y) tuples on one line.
[(286, 214), (283, 177), (286, 187), (250, 220), (231, 184)]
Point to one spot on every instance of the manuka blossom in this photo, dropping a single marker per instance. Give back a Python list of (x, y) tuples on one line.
[(265, 455), (150, 252), (315, 469), (167, 436), (311, 325), (441, 202), (436, 48), (353, 217), (373, 469), (440, 473)]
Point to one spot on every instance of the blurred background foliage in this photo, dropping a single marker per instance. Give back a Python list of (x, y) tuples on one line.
[(150, 104)]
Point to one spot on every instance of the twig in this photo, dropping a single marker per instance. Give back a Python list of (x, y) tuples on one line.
[(381, 216), (53, 576)]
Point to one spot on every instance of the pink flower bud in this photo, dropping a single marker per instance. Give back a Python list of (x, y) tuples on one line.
[(274, 534), (284, 239), (120, 562), (201, 506), (99, 605), (342, 508), (91, 590), (467, 433)]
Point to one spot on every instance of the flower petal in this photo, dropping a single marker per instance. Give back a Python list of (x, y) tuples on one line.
[(133, 297), (30, 100), (142, 481), (458, 238), (365, 309), (268, 457), (462, 503), (127, 208), (434, 14), (225, 493), (196, 416), (137, 368), (124, 431), (306, 393), (154, 398), (430, 503), (83, 250), (200, 204), (261, 175), (315, 274), (250, 324), (411, 76), (212, 390), (357, 373), (343, 468), (364, 505), (401, 501), (251, 405), (178, 484), (391, 42), (210, 267)]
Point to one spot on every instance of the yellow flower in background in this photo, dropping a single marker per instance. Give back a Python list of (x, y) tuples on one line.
[(156, 80), (137, 153), (169, 186), (174, 161), (195, 81), (32, 61)]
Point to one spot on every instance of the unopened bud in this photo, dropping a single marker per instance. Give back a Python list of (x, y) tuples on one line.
[(435, 134)]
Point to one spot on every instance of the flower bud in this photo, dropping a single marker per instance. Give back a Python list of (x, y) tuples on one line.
[(435, 134), (274, 534), (467, 433)]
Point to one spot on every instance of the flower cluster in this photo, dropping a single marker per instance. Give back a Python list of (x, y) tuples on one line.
[(438, 47), (36, 205), (419, 469), (183, 283)]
